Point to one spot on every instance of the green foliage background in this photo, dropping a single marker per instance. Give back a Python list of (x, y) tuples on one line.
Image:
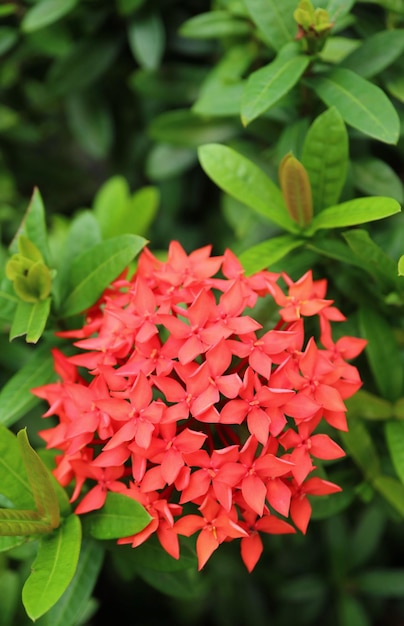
[(139, 118)]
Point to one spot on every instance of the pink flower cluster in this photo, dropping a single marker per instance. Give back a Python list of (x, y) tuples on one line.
[(196, 410)]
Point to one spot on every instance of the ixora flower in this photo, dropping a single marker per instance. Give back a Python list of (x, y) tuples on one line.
[(183, 401)]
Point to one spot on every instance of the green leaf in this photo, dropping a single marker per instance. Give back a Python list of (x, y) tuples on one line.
[(264, 254), (46, 12), (111, 201), (184, 584), (381, 583), (353, 212), (214, 24), (8, 302), (141, 210), (383, 353), (395, 442), (401, 266), (245, 181), (378, 263), (30, 320), (125, 7), (72, 604), (376, 53), (392, 491), (7, 543), (358, 443), (325, 157), (16, 522), (351, 612), (152, 555), (375, 177), (96, 268), (33, 226), (360, 103), (8, 38), (9, 596), (368, 406), (184, 128), (268, 84), (53, 568), (120, 516), (90, 122), (367, 534), (45, 497), (328, 506), (147, 39), (15, 397), (14, 482), (165, 161), (274, 20)]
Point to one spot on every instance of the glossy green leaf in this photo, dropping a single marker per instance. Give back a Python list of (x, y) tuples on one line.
[(354, 212), (71, 606), (30, 320), (53, 568), (376, 53), (33, 226), (41, 484), (325, 157), (379, 264), (395, 442), (15, 397), (146, 37), (369, 406), (94, 269), (245, 181), (214, 24), (358, 443), (274, 20), (375, 177), (120, 516), (383, 353), (382, 582), (401, 266), (46, 12), (269, 84), (184, 128), (360, 103), (14, 483), (265, 254)]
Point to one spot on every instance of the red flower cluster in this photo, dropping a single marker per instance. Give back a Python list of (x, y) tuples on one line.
[(194, 409)]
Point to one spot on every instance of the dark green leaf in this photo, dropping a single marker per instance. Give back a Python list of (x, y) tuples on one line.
[(8, 37), (378, 263), (269, 84), (125, 7), (120, 516), (274, 20), (90, 122), (15, 397), (184, 584), (351, 612), (53, 568), (147, 39), (264, 254), (242, 179), (367, 534), (214, 24), (9, 596), (30, 319), (184, 128), (96, 268), (354, 212), (152, 555), (46, 12), (360, 103), (395, 442), (358, 443), (392, 490), (72, 604), (383, 353), (375, 177), (166, 161), (376, 53), (385, 583), (325, 157)]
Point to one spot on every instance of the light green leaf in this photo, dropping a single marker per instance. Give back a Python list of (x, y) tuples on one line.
[(361, 104), (395, 442), (120, 516), (110, 202), (8, 302), (214, 24), (96, 268), (147, 39), (338, 8), (274, 20), (14, 484), (183, 128), (15, 397), (46, 12), (401, 266), (264, 254), (268, 84), (376, 178), (33, 226), (245, 181), (7, 543), (353, 212), (142, 209), (383, 353), (325, 157), (376, 53), (358, 443), (30, 320), (69, 608), (53, 568), (45, 497)]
